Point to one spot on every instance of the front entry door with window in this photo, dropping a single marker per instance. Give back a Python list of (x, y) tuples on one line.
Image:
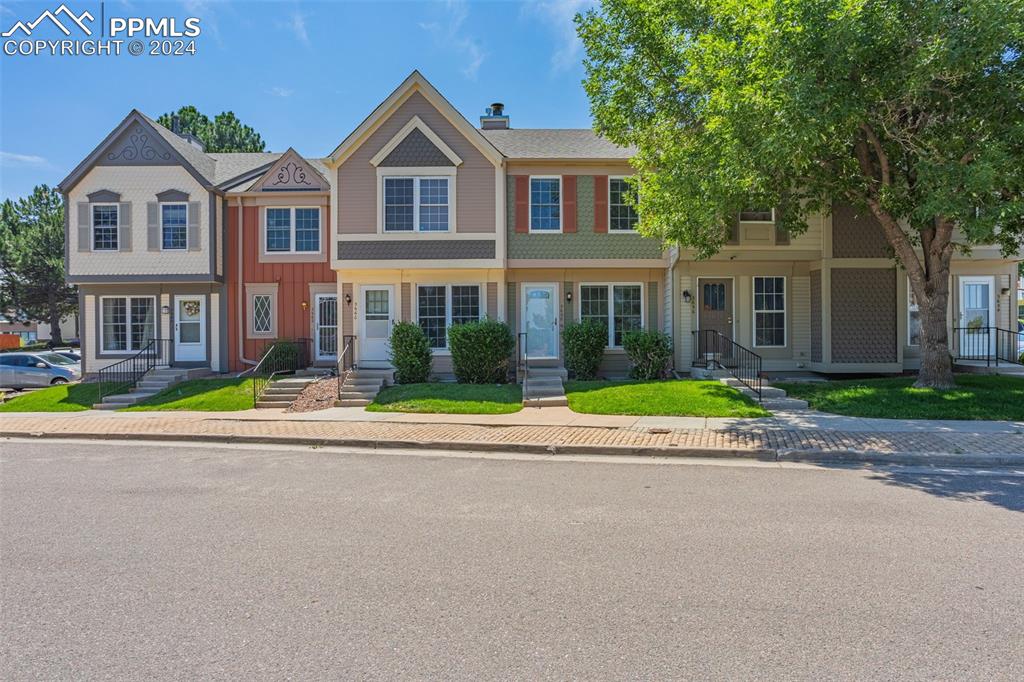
[(190, 328), (325, 332), (977, 310), (540, 320), (376, 314), (714, 312)]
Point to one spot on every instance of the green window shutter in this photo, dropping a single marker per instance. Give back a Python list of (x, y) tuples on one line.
[(124, 227), (193, 226), (781, 236), (652, 306), (84, 226), (153, 226), (734, 231)]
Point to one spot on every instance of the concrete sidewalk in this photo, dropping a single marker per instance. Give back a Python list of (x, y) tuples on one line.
[(803, 437)]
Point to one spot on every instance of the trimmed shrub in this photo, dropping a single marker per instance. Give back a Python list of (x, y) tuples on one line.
[(284, 354), (410, 353), (649, 353), (481, 351), (584, 347)]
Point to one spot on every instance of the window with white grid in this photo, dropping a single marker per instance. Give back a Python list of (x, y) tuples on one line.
[(104, 227), (769, 311)]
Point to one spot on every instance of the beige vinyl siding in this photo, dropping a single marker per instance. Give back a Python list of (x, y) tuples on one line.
[(357, 177), (138, 186), (800, 302)]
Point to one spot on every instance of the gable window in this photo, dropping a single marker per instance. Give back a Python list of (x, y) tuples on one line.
[(174, 226), (292, 230), (757, 215), (546, 204), (440, 306), (769, 311), (104, 227), (622, 198), (619, 307), (416, 204), (913, 318), (128, 322)]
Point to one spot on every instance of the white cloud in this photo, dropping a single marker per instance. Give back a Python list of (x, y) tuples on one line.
[(278, 91), (558, 16), (204, 10), (450, 34), (297, 24), (12, 159)]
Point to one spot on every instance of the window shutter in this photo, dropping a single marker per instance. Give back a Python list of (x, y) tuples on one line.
[(153, 226), (734, 230), (522, 204), (124, 227), (600, 203), (84, 226), (193, 226), (569, 203)]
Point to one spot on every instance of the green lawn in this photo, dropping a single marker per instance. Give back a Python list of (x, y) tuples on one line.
[(204, 395), (975, 397), (449, 399), (64, 398), (681, 398)]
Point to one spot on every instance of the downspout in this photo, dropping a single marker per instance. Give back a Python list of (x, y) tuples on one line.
[(241, 287)]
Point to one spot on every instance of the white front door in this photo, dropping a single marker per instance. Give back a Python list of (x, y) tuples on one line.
[(540, 320), (376, 314), (325, 330), (190, 328), (977, 317)]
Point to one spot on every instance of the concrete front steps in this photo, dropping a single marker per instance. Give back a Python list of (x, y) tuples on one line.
[(772, 398), (981, 367), (154, 381), (361, 387), (281, 393), (544, 387)]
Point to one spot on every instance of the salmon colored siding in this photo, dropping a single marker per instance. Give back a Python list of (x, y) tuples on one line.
[(569, 202), (600, 203), (522, 204), (292, 279)]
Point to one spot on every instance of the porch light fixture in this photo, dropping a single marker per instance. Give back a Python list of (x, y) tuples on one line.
[(348, 299), (165, 309), (687, 297), (568, 296), (304, 304)]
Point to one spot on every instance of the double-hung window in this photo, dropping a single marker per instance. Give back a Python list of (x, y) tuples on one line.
[(417, 204), (619, 307), (546, 204), (174, 226), (104, 227), (128, 322), (622, 198), (293, 230), (439, 306), (769, 311)]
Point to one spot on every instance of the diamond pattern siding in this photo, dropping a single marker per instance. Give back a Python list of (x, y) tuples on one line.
[(416, 150), (816, 316), (864, 315), (857, 234)]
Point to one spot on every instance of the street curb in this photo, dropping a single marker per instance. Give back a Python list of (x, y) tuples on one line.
[(845, 457)]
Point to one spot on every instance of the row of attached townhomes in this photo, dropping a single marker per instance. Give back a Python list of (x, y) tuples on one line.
[(420, 215)]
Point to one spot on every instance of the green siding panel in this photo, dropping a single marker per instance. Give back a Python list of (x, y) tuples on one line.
[(584, 243)]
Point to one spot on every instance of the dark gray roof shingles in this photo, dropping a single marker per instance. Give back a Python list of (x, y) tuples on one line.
[(555, 143)]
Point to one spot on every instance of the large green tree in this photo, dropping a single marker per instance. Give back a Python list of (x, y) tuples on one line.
[(225, 133), (910, 109), (32, 285)]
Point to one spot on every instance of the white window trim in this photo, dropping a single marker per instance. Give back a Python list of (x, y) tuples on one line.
[(611, 305), (755, 311), (910, 296), (610, 230), (291, 232), (101, 351), (481, 293), (561, 203), (739, 217), (417, 173), (92, 226), (161, 210)]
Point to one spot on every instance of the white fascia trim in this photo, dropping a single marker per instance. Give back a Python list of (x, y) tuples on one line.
[(415, 123)]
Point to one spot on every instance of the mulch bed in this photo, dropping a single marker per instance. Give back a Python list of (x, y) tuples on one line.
[(318, 395)]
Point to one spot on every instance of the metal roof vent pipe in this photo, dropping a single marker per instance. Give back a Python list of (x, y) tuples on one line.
[(494, 118)]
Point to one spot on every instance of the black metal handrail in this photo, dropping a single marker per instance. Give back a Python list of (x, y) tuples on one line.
[(712, 349), (523, 360), (346, 360), (125, 374), (991, 344), (282, 357)]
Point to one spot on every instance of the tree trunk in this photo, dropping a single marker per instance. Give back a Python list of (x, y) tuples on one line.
[(55, 336), (936, 362)]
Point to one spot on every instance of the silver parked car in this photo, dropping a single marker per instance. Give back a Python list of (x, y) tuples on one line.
[(18, 370)]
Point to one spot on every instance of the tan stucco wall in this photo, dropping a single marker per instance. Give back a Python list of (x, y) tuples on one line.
[(139, 185)]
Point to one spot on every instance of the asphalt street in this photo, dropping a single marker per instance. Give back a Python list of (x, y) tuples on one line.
[(131, 561)]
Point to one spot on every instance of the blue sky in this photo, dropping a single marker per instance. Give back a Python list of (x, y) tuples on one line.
[(303, 74)]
